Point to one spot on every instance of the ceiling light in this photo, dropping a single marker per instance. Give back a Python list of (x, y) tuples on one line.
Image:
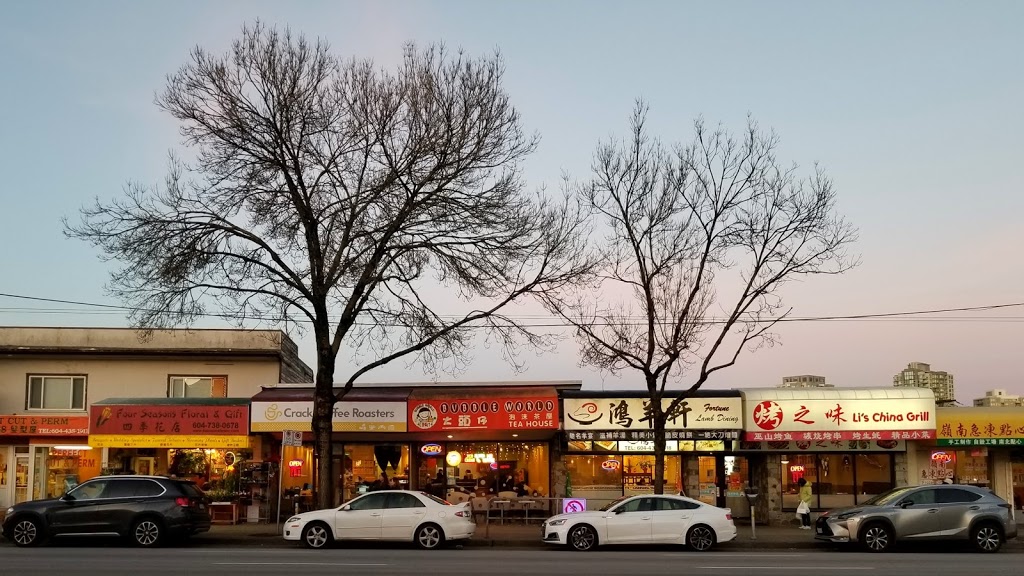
[(73, 447)]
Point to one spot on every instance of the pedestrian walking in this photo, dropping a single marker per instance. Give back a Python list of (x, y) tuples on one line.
[(803, 511)]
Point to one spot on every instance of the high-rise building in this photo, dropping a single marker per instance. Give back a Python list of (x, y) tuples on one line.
[(999, 397), (921, 375), (804, 381)]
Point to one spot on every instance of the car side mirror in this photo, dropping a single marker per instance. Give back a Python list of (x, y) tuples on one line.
[(345, 508), (906, 504), (67, 498)]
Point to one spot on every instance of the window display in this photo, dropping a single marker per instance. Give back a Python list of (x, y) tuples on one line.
[(837, 480)]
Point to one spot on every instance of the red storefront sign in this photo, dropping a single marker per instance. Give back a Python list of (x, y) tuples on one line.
[(169, 419), (537, 412), (44, 425)]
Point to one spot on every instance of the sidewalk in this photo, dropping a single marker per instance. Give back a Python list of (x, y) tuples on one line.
[(528, 536)]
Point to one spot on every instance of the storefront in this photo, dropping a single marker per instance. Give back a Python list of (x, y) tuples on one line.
[(202, 439), (43, 456), (981, 446), (369, 439), (850, 444), (484, 443), (609, 446), (457, 442)]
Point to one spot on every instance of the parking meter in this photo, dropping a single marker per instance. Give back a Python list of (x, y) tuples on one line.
[(751, 493)]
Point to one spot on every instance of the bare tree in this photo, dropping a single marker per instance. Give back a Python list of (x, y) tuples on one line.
[(356, 201), (681, 224)]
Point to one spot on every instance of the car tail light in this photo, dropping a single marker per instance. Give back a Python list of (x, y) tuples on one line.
[(1005, 505), (183, 502), (460, 514), (728, 516)]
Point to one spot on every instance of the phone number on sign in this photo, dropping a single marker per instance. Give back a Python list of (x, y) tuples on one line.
[(215, 426), (496, 406)]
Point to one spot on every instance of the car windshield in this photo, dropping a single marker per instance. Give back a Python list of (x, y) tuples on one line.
[(889, 497), (613, 503)]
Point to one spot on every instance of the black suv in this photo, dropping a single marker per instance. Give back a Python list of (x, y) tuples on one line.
[(146, 509)]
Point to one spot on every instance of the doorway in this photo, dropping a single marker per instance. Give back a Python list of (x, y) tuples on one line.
[(721, 482)]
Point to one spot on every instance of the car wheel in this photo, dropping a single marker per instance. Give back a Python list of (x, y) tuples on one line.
[(987, 537), (429, 536), (582, 538), (876, 537), (701, 538), (316, 535), (27, 532), (147, 532)]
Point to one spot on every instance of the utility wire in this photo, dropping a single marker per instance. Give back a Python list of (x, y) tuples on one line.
[(906, 315)]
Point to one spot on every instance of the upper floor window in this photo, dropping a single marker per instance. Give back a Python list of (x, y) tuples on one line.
[(198, 387), (56, 392)]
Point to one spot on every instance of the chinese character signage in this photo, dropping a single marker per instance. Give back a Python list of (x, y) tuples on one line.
[(44, 425), (648, 435), (793, 419), (995, 426), (539, 412), (348, 416), (130, 419), (635, 415), (793, 446)]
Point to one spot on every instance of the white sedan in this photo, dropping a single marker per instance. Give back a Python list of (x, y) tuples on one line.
[(398, 515), (643, 520)]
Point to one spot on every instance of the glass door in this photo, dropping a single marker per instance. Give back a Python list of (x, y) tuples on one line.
[(708, 479), (21, 467), (736, 472)]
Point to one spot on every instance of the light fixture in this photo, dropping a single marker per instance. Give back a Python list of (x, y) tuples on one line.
[(515, 435), (73, 447), (450, 436)]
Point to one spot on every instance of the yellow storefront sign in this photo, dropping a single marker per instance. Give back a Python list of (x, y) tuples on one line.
[(166, 441), (982, 426)]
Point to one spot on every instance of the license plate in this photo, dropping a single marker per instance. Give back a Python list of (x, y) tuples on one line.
[(202, 506), (820, 531)]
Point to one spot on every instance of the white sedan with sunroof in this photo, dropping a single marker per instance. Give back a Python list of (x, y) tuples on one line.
[(648, 519), (396, 515)]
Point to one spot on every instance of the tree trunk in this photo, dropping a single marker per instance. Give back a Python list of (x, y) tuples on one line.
[(659, 450), (323, 423)]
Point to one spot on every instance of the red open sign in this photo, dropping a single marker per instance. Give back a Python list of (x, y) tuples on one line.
[(295, 468)]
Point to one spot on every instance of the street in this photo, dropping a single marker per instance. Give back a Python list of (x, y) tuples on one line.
[(496, 561)]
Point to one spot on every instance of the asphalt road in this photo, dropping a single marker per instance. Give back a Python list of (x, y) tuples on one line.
[(72, 561)]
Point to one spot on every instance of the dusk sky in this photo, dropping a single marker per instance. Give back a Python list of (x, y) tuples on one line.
[(913, 108)]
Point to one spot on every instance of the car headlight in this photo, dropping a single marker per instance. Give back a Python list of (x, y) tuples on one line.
[(848, 515), (294, 519), (557, 522), (10, 511)]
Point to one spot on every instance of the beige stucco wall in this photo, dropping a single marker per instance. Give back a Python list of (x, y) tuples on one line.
[(126, 338), (133, 377)]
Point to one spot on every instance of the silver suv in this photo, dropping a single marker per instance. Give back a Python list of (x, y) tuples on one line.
[(944, 512)]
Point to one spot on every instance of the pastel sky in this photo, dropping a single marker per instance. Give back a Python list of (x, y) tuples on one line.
[(913, 108)]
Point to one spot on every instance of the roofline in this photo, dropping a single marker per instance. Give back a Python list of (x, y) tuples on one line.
[(700, 393), (557, 384), (93, 351)]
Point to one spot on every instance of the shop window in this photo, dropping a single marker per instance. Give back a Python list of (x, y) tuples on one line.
[(874, 475), (56, 392), (795, 467), (197, 387), (972, 467), (596, 478), (837, 480), (638, 474)]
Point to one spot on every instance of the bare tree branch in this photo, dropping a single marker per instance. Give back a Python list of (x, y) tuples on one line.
[(354, 196), (680, 225)]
